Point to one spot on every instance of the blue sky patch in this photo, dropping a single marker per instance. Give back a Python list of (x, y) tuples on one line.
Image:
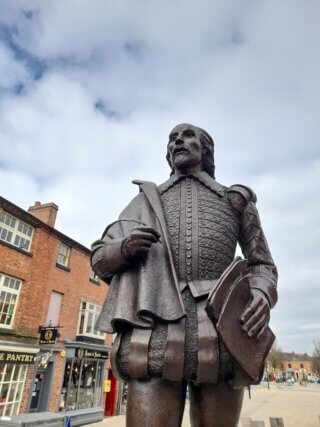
[(34, 65)]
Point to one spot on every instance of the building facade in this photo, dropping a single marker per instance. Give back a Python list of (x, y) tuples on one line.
[(51, 356), (298, 366), (292, 365)]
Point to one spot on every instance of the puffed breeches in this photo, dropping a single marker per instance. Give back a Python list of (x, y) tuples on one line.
[(187, 350)]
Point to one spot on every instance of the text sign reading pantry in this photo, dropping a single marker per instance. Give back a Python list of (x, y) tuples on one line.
[(17, 357)]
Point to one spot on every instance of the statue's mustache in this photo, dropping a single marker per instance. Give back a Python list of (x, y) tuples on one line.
[(180, 150)]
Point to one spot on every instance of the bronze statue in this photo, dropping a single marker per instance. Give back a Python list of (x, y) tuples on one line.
[(162, 258)]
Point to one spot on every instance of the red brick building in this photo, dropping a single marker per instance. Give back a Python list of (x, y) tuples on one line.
[(292, 365), (46, 281), (297, 365)]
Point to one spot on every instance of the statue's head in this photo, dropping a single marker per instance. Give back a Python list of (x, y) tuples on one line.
[(190, 148)]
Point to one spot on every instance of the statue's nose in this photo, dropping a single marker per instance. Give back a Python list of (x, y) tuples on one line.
[(179, 140)]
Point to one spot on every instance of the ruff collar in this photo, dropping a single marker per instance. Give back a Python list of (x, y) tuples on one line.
[(202, 176)]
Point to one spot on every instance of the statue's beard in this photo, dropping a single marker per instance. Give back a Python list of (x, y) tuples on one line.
[(183, 160)]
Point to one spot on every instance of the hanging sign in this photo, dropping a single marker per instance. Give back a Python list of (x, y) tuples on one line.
[(48, 335)]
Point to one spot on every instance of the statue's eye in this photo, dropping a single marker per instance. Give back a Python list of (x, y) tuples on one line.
[(189, 134)]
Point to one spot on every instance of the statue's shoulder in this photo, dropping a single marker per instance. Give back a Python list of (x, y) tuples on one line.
[(246, 192), (211, 183), (240, 195), (142, 183), (145, 186), (139, 199)]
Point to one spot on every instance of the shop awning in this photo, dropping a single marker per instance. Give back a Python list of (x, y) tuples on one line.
[(19, 349)]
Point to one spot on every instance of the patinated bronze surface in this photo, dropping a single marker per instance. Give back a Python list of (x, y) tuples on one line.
[(162, 258)]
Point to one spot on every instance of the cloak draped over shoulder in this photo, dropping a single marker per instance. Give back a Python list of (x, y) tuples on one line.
[(146, 290)]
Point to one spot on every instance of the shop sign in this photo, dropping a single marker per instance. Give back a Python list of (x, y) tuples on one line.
[(17, 357), (48, 335), (85, 353), (107, 386)]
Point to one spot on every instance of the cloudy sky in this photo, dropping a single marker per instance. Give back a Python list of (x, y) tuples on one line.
[(90, 89)]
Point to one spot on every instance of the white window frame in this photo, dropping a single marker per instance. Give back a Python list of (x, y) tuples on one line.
[(18, 383), (89, 310), (10, 286), (63, 254), (15, 232), (94, 276)]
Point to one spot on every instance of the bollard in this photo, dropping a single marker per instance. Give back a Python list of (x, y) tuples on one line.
[(257, 424), (246, 422), (276, 422)]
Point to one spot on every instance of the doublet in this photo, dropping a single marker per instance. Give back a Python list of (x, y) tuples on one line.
[(203, 230), (205, 221), (203, 227)]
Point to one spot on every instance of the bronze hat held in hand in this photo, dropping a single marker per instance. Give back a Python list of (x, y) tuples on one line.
[(162, 258)]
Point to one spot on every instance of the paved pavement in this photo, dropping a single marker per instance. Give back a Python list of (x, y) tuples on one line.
[(298, 406)]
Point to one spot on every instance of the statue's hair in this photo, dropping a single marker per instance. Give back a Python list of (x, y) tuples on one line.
[(207, 152)]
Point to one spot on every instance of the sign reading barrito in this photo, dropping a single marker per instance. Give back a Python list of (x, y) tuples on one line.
[(17, 357), (91, 354)]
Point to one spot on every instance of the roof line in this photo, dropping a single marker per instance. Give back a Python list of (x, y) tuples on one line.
[(32, 220)]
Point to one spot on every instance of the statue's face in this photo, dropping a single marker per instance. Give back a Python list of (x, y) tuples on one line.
[(185, 149)]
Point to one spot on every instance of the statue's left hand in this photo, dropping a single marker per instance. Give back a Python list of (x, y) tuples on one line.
[(256, 316)]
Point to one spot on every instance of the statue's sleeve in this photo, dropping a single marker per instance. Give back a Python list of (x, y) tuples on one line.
[(262, 271), (107, 258)]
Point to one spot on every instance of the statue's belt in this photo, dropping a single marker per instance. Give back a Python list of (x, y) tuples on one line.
[(198, 288)]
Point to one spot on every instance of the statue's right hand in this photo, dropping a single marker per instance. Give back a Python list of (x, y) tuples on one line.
[(139, 242)]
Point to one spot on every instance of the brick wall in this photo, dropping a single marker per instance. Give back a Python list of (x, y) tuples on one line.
[(26, 390), (296, 365), (40, 276), (57, 384)]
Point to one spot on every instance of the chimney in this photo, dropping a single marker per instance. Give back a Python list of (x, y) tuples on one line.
[(46, 212)]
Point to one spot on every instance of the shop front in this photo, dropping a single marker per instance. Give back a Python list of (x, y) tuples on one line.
[(16, 370), (84, 375), (45, 370)]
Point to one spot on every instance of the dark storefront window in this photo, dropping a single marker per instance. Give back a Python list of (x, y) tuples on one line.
[(82, 384)]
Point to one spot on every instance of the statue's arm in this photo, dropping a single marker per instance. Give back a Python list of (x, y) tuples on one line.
[(262, 272), (107, 256), (261, 267), (124, 242)]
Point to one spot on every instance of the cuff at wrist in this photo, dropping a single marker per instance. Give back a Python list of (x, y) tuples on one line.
[(263, 285)]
